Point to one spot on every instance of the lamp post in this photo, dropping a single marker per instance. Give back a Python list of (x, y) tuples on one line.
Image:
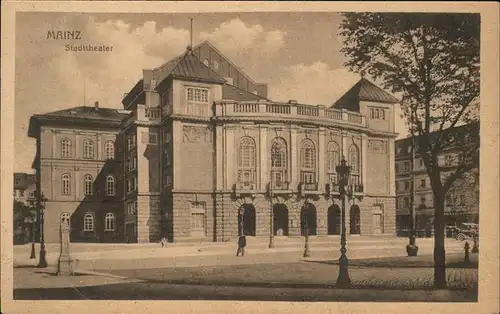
[(343, 279), (412, 248), (41, 207), (32, 222), (307, 253), (274, 153)]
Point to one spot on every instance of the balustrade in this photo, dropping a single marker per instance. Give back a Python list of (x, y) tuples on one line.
[(230, 108)]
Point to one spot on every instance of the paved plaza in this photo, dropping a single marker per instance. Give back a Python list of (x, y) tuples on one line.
[(378, 270)]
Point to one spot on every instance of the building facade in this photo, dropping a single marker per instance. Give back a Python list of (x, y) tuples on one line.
[(24, 187), (462, 200), (201, 152)]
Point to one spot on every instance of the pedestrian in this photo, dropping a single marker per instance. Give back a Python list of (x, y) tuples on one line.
[(242, 242)]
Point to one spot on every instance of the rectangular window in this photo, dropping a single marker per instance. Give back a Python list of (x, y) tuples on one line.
[(198, 220), (131, 141), (422, 183), (153, 138), (197, 101), (22, 193), (199, 95), (407, 166), (406, 202), (422, 200), (131, 184), (307, 177), (407, 186)]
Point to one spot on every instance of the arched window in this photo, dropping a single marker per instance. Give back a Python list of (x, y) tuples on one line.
[(279, 163), (109, 222), (88, 149), (66, 147), (88, 222), (354, 158), (246, 162), (65, 217), (308, 162), (110, 150), (110, 185), (88, 184), (66, 185), (206, 62), (333, 160), (354, 163), (333, 156)]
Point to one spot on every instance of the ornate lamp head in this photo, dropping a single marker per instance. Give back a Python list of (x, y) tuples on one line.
[(343, 171)]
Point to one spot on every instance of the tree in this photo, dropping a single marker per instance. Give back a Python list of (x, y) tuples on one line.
[(433, 61), (23, 220)]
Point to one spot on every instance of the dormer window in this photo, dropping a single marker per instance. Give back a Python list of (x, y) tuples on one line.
[(215, 65), (197, 101), (377, 113), (206, 62)]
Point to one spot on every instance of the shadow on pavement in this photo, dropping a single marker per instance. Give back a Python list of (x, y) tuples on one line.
[(148, 291), (423, 261)]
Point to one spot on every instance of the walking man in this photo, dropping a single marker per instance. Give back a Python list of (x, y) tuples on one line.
[(242, 242)]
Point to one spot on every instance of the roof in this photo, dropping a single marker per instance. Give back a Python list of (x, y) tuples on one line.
[(187, 66), (367, 91), (23, 180), (238, 94), (471, 131), (84, 112)]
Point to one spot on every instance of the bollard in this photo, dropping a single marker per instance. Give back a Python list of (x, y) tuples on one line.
[(467, 257)]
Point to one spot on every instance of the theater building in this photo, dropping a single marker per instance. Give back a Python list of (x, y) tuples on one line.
[(199, 152)]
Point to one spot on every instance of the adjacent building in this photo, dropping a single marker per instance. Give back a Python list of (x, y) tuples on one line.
[(24, 187), (462, 200), (200, 153)]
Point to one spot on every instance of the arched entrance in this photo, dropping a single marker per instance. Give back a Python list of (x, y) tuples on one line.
[(246, 220), (354, 220), (280, 221), (308, 219), (334, 220)]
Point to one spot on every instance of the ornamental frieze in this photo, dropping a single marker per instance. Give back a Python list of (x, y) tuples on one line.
[(194, 134), (377, 146)]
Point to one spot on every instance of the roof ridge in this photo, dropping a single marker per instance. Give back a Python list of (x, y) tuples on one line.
[(229, 61), (243, 90)]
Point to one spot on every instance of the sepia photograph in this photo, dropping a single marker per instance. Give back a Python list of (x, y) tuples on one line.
[(247, 156)]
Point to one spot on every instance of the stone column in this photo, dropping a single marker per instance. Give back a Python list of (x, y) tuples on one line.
[(64, 265)]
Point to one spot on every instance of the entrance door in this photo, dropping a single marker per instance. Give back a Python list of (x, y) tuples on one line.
[(130, 233), (280, 220), (334, 220), (377, 223)]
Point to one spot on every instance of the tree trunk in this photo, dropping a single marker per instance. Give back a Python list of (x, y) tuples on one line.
[(439, 249)]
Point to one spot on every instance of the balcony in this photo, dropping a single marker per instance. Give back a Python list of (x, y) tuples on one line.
[(246, 186), (310, 186), (292, 111), (280, 186), (145, 114)]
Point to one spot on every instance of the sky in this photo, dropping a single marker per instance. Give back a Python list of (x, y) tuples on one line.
[(296, 54)]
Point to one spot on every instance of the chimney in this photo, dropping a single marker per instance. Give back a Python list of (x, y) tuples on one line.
[(96, 106)]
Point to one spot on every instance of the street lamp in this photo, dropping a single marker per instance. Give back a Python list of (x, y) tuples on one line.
[(307, 253), (32, 221), (274, 153), (343, 171), (41, 208)]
